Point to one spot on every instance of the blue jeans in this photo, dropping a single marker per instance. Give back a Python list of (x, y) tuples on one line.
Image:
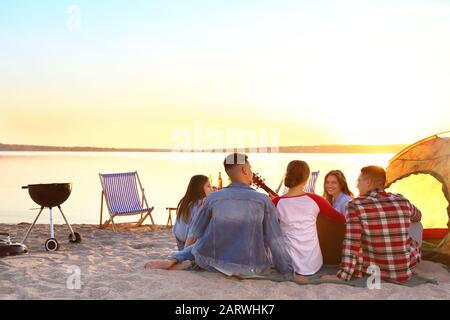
[(184, 254), (180, 244), (415, 232)]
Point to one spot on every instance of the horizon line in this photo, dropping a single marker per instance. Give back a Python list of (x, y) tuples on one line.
[(325, 148)]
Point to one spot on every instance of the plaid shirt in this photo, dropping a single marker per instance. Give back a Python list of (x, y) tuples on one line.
[(377, 232)]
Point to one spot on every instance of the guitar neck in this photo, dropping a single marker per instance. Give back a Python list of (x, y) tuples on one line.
[(260, 183), (269, 191)]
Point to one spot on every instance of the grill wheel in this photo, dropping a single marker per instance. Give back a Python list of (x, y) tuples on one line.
[(51, 245)]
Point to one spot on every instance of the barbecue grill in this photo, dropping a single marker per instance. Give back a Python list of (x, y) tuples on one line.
[(49, 196)]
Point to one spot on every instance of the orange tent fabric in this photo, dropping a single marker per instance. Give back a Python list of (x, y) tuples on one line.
[(428, 156)]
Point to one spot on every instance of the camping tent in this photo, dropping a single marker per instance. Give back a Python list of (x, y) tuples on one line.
[(421, 172)]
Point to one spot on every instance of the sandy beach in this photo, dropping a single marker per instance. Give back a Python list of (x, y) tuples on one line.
[(111, 266)]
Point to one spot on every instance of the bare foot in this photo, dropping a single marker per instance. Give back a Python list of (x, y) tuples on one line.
[(161, 264), (168, 265), (184, 265), (300, 278)]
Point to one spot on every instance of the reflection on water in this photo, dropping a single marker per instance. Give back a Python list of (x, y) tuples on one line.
[(163, 175)]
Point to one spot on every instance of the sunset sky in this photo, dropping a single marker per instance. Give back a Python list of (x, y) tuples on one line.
[(140, 73)]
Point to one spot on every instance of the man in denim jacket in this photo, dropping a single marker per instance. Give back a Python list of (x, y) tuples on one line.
[(237, 229)]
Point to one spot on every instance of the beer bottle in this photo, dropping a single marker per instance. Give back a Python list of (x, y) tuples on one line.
[(219, 182)]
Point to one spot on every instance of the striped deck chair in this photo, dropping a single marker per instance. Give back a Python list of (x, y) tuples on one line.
[(310, 186), (120, 190)]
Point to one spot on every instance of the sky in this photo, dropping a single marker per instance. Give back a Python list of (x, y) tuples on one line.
[(166, 74)]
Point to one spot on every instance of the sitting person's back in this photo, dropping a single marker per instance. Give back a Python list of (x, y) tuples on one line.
[(237, 226), (379, 231), (298, 213), (233, 224)]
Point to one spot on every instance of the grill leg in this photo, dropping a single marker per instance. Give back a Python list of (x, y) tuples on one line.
[(52, 232), (31, 227), (68, 224)]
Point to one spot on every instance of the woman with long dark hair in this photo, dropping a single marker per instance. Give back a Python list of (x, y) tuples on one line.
[(188, 208), (336, 191)]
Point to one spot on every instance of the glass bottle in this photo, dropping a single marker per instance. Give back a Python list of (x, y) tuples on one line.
[(219, 181)]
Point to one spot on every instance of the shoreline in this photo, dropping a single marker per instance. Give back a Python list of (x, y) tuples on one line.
[(365, 149)]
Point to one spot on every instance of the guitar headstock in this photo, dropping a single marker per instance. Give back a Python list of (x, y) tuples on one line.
[(258, 181)]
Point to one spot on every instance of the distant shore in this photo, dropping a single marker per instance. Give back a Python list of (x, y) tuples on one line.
[(395, 148)]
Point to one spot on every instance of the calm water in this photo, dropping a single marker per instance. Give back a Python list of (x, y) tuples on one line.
[(163, 175)]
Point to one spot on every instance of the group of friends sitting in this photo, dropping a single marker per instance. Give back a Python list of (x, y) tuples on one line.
[(239, 231)]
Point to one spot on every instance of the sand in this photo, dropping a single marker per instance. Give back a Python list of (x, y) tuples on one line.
[(111, 266)]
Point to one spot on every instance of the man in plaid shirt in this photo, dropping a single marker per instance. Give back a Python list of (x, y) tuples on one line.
[(382, 229)]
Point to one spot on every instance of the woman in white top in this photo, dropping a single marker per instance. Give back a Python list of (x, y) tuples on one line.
[(298, 213)]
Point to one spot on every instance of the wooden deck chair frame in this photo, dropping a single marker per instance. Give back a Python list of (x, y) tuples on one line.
[(144, 211)]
